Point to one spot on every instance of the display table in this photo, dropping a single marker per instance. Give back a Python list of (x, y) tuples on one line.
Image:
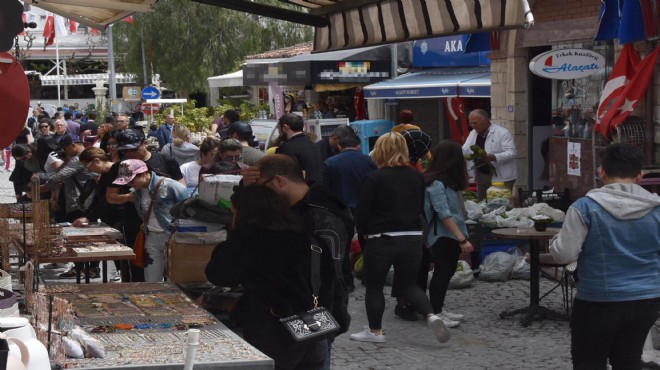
[(534, 311), (144, 325), (77, 253)]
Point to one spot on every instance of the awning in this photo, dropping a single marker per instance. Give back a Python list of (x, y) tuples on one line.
[(362, 66), (471, 82), (341, 24), (228, 80), (86, 79), (94, 13)]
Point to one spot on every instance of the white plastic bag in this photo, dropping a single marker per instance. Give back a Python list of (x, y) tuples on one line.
[(490, 219), (545, 209), (521, 268), (462, 279), (497, 266), (473, 209)]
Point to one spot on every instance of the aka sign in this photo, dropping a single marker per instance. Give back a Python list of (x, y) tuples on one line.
[(566, 64)]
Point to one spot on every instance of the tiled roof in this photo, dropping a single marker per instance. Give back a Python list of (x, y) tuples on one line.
[(287, 52)]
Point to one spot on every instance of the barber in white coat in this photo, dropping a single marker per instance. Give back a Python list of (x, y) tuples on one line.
[(500, 151)]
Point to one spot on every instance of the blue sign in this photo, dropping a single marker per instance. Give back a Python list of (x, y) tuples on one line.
[(150, 92), (448, 51), (428, 92)]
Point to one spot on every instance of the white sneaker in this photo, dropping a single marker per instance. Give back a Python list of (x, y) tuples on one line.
[(452, 316), (447, 321), (437, 325), (368, 336)]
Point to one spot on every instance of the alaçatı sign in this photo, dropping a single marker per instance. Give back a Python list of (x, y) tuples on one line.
[(566, 64)]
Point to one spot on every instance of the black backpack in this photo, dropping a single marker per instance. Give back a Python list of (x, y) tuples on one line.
[(87, 193)]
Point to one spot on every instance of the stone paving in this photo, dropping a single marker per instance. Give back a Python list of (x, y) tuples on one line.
[(482, 341)]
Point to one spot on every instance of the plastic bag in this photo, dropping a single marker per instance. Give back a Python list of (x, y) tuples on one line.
[(490, 219), (473, 209), (545, 209), (463, 278), (497, 266), (496, 204), (521, 268)]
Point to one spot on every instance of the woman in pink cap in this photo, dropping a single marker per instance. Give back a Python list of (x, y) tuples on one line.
[(164, 192)]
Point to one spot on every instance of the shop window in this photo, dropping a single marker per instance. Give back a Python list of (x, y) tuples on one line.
[(575, 101)]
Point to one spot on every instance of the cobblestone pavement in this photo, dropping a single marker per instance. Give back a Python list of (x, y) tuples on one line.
[(482, 341)]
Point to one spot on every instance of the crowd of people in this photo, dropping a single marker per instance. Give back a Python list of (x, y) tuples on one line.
[(307, 195)]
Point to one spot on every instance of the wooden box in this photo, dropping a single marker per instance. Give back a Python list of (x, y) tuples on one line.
[(186, 263)]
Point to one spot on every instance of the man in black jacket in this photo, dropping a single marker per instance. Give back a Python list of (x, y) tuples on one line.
[(325, 216), (300, 147)]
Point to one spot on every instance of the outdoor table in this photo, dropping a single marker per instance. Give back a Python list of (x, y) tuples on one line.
[(126, 254), (534, 311)]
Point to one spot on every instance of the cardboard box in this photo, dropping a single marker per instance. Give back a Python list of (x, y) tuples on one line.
[(186, 263)]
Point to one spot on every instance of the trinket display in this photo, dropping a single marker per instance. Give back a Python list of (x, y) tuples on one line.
[(139, 324)]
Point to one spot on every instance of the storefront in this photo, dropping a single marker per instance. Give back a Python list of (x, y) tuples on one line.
[(331, 77), (447, 82)]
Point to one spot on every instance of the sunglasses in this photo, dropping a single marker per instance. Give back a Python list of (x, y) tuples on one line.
[(232, 158)]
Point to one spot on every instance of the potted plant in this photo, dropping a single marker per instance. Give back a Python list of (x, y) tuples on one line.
[(541, 222)]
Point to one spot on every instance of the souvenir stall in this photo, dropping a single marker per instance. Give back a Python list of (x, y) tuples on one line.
[(120, 325)]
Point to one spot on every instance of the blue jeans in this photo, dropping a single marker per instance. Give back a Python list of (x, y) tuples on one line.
[(610, 330), (404, 253)]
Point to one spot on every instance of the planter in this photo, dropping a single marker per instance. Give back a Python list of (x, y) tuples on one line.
[(540, 227)]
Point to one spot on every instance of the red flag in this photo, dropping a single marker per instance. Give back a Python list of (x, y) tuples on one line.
[(623, 71), (49, 30), (73, 26), (455, 109), (128, 19), (95, 32), (633, 92)]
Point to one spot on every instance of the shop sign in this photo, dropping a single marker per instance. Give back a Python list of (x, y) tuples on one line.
[(351, 71), (446, 51), (567, 64)]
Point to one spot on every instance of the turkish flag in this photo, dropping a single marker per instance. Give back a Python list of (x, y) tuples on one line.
[(73, 26), (128, 19), (632, 93), (455, 108), (623, 71), (49, 30)]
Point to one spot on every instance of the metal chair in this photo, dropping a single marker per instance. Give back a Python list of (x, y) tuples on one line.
[(565, 281)]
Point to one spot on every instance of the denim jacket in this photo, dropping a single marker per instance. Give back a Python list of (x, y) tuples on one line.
[(170, 193), (614, 236), (446, 202)]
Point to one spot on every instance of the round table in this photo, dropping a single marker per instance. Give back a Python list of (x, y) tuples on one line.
[(534, 311)]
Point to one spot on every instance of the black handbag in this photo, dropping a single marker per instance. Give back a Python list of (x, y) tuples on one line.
[(317, 323)]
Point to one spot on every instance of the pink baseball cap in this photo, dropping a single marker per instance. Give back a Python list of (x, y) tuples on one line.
[(128, 169)]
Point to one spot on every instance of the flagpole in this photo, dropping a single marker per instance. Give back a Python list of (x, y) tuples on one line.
[(57, 61)]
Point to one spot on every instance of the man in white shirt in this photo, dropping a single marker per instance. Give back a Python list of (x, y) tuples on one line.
[(500, 152)]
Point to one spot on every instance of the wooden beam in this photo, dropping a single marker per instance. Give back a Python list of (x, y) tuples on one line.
[(269, 11)]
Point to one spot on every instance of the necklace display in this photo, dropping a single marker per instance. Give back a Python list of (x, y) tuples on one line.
[(138, 324)]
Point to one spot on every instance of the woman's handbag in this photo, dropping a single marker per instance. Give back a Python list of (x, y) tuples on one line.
[(140, 238), (317, 323)]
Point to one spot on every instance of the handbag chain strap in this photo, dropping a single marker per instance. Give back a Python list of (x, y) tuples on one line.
[(151, 204), (316, 270)]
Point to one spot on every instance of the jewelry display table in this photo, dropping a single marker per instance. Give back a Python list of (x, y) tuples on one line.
[(144, 326)]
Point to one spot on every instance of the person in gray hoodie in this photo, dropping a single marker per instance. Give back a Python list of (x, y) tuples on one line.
[(613, 234), (180, 148)]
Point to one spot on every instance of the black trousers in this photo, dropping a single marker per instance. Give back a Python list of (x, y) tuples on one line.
[(445, 253), (404, 253), (610, 330)]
